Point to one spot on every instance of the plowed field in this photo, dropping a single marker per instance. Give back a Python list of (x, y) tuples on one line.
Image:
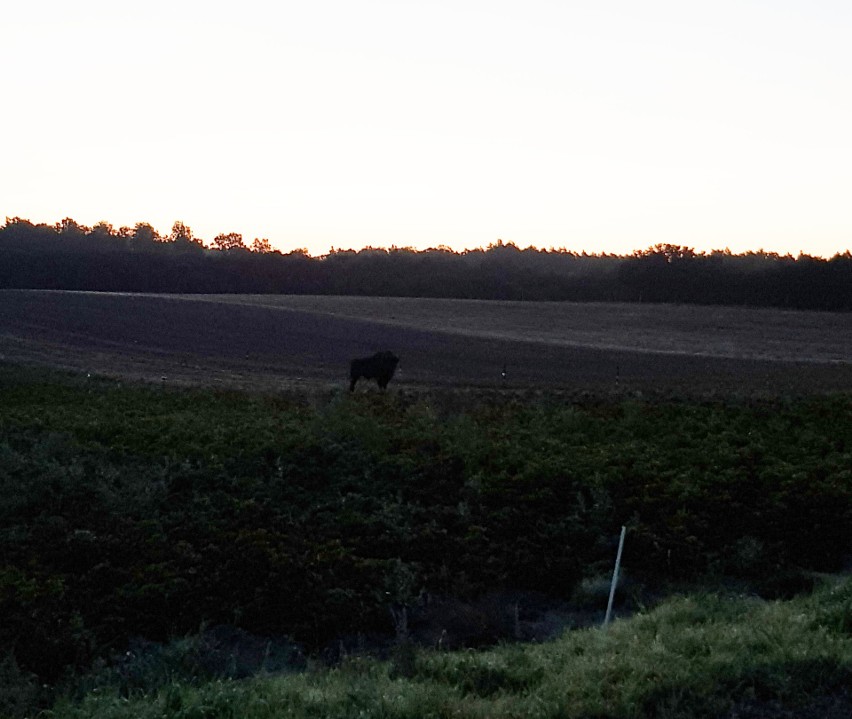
[(281, 342)]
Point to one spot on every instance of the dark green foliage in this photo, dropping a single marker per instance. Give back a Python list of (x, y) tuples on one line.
[(142, 512), (19, 691), (216, 654), (73, 257), (833, 611), (707, 656)]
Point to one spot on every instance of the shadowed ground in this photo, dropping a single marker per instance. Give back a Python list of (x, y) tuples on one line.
[(279, 342)]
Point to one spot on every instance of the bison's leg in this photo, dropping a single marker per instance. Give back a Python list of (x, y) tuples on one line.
[(355, 372)]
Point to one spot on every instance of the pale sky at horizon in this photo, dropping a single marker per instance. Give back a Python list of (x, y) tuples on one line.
[(597, 126)]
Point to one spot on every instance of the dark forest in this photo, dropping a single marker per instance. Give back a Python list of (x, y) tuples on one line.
[(71, 256)]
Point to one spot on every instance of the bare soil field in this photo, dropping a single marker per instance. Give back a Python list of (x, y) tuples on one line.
[(272, 342)]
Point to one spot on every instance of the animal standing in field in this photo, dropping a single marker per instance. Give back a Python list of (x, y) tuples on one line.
[(379, 367)]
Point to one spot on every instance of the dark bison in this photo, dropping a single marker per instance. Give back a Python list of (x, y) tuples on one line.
[(379, 367)]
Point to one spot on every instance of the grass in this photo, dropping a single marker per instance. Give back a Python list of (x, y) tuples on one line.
[(693, 656)]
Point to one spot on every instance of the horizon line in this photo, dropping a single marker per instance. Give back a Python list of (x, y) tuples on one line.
[(656, 248)]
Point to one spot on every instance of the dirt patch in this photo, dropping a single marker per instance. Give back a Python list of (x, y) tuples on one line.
[(731, 332), (272, 342)]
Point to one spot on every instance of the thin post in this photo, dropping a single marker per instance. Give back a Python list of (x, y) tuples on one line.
[(615, 576)]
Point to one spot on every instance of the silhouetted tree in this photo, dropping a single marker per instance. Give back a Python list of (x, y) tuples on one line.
[(182, 238), (69, 229), (667, 252), (229, 241), (261, 245), (144, 234), (102, 231)]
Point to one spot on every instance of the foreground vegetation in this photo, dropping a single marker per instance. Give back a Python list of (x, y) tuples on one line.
[(139, 514), (691, 657)]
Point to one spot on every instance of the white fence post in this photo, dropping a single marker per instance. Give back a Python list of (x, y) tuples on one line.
[(615, 576)]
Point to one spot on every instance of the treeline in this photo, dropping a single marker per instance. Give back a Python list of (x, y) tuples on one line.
[(71, 256)]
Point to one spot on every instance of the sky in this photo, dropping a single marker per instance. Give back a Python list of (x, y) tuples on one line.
[(604, 126)]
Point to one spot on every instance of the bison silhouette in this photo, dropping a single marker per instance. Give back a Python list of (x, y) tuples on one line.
[(379, 367)]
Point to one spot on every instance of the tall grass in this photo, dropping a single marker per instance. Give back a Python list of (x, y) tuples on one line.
[(691, 657)]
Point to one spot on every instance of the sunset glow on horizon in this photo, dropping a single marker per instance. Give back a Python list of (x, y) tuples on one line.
[(597, 127)]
